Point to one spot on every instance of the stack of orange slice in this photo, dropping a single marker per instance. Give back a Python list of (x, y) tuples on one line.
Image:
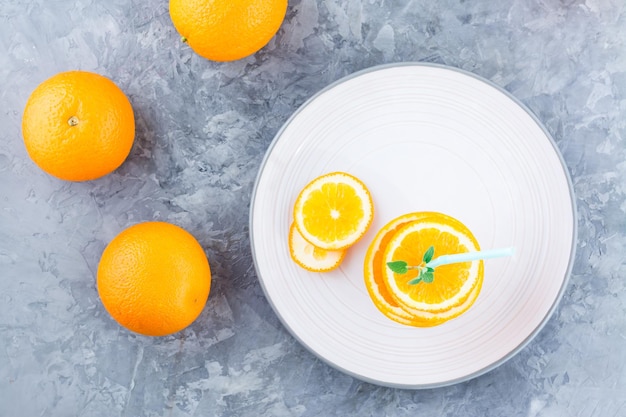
[(330, 214), (454, 288)]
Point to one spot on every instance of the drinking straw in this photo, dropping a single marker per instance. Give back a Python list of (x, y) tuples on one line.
[(470, 256)]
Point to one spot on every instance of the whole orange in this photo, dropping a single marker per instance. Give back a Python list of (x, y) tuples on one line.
[(78, 126), (154, 278), (227, 30)]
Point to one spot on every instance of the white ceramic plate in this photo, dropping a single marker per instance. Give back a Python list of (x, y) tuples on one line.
[(422, 138)]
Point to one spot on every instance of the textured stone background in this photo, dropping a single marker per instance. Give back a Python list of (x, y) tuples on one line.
[(202, 130)]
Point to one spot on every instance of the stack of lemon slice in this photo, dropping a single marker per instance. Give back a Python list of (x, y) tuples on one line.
[(454, 288), (330, 214)]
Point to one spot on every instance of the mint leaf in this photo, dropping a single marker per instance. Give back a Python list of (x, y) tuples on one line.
[(399, 267), (415, 280), (426, 273), (428, 256)]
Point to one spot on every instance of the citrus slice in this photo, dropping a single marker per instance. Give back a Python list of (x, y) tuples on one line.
[(333, 211), (373, 272), (377, 289), (310, 257), (453, 284), (428, 319)]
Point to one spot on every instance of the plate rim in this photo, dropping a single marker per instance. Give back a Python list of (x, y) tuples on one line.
[(563, 164)]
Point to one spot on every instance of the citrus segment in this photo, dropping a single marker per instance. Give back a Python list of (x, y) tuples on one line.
[(154, 278), (453, 283), (78, 126), (333, 211), (310, 257)]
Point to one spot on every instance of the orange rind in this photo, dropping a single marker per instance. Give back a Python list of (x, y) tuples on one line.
[(310, 257)]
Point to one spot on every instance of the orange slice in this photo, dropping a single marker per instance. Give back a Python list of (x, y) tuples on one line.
[(427, 318), (310, 257), (453, 284), (377, 289), (373, 272), (333, 211)]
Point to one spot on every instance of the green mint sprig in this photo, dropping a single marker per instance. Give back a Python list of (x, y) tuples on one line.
[(426, 273)]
